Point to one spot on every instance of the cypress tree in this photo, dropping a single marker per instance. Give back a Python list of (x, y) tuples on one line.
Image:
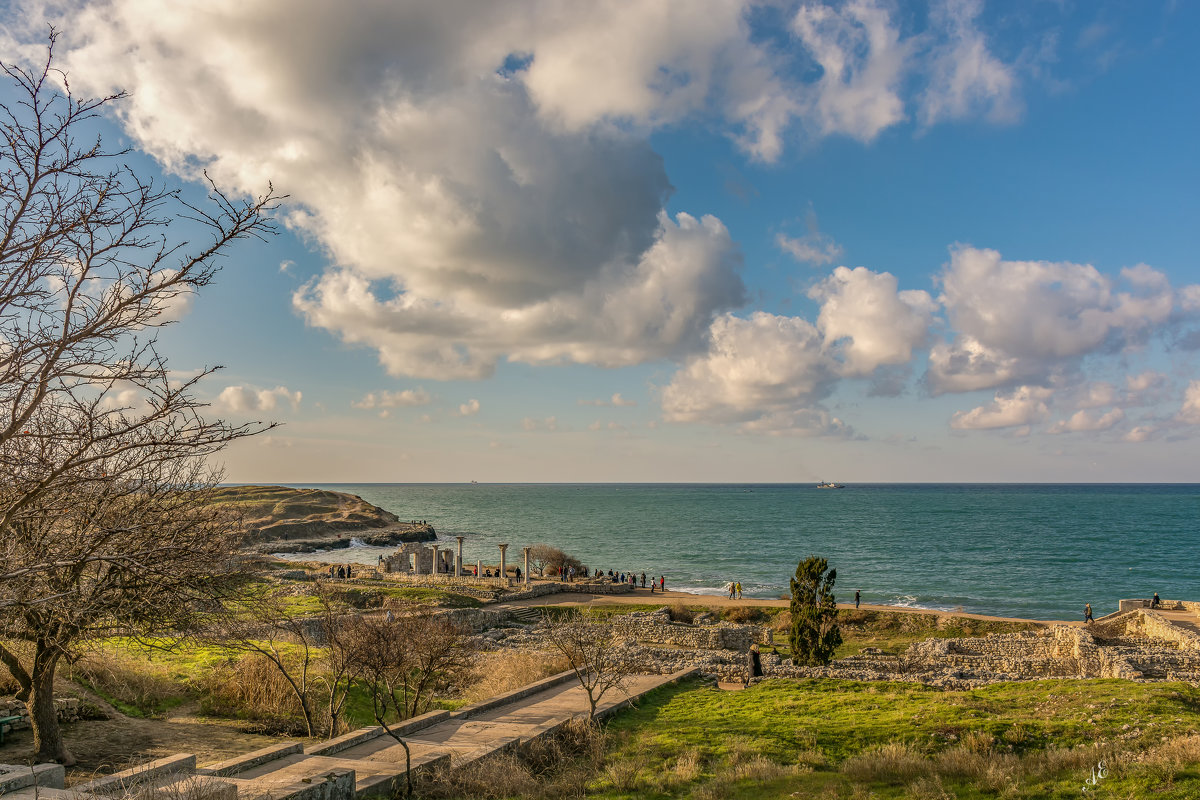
[(815, 634)]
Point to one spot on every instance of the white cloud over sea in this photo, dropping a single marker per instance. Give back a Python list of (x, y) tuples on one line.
[(482, 179)]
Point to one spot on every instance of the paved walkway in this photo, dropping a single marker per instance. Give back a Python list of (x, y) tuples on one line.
[(378, 761)]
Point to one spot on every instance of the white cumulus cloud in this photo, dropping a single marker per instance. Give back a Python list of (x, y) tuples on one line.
[(1088, 420), (1019, 407), (1022, 320), (1190, 411), (867, 322), (765, 373), (250, 399), (408, 398)]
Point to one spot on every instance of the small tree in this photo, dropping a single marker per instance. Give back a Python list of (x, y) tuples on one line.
[(600, 662), (300, 645), (403, 664), (815, 634)]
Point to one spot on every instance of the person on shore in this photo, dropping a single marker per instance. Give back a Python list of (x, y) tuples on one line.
[(1155, 602), (341, 572), (571, 577), (739, 590), (518, 574), (729, 589), (662, 583), (1087, 613), (643, 580), (349, 574), (857, 597), (331, 571)]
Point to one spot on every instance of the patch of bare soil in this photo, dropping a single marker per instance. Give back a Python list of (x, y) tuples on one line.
[(109, 745)]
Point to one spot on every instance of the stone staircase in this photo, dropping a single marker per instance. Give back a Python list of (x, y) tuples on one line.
[(526, 615), (360, 764)]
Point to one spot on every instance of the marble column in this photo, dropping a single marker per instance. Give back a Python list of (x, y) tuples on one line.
[(458, 562), (526, 550), (416, 563), (503, 566), (434, 562), (479, 569)]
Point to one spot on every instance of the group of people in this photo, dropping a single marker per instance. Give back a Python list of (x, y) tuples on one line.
[(655, 584), (340, 571), (735, 590)]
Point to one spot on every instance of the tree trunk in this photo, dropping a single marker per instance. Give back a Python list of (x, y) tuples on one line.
[(47, 735)]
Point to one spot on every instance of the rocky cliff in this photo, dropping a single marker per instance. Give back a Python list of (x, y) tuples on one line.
[(282, 519)]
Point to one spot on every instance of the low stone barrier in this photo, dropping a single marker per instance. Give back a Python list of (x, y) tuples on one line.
[(179, 764), (14, 777), (232, 766), (656, 628), (473, 709)]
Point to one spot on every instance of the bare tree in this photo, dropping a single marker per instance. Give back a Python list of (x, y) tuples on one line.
[(404, 663), (105, 524), (261, 620), (600, 662), (543, 558)]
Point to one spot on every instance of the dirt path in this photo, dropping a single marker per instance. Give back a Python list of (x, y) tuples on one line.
[(643, 597), (93, 742)]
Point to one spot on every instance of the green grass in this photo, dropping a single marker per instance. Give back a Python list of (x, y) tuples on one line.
[(782, 737)]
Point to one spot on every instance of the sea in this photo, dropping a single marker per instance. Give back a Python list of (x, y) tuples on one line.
[(1023, 550)]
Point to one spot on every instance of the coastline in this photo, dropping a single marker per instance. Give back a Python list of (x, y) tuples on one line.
[(643, 597)]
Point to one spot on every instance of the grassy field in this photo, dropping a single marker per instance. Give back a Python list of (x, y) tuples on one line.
[(825, 738)]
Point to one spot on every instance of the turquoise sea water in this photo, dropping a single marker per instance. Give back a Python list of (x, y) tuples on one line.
[(1038, 551)]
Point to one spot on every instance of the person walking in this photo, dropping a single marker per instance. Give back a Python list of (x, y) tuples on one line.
[(1087, 613), (738, 586), (857, 597), (662, 583)]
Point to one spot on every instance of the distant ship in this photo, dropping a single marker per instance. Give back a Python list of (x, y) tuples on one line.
[(829, 485)]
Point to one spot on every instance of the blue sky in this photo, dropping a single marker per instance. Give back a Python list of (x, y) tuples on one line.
[(629, 241)]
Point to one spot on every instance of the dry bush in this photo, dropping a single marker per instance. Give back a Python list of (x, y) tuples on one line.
[(681, 613), (1004, 772), (929, 788), (744, 615), (187, 787), (1054, 761), (962, 762), (549, 768), (625, 774), (759, 769), (688, 766), (127, 679), (782, 622), (1175, 753), (978, 741), (253, 688), (714, 790), (504, 670), (894, 762)]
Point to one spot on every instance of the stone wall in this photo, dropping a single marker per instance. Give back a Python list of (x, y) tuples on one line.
[(1152, 624), (68, 709), (1169, 605), (656, 628)]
